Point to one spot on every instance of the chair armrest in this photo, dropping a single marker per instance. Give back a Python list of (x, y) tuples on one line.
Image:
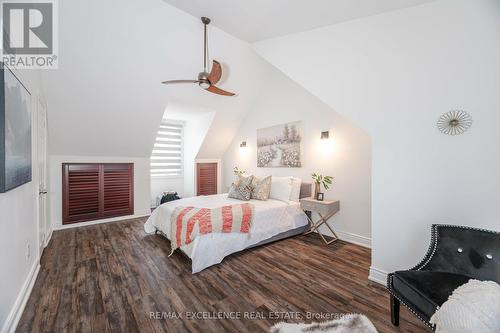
[(430, 251)]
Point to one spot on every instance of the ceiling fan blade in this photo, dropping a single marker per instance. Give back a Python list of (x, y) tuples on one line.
[(215, 73), (218, 91), (180, 81)]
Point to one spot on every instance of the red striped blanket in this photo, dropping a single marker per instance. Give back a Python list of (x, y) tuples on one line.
[(187, 223)]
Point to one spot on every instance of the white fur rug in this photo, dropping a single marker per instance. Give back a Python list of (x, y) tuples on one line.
[(350, 323), (473, 307)]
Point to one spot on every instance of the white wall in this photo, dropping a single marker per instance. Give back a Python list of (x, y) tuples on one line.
[(195, 133), (346, 156), (160, 185), (394, 74), (19, 229), (141, 184)]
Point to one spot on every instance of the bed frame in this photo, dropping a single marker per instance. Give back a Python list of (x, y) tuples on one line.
[(305, 192)]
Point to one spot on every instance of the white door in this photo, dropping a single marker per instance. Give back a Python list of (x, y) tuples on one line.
[(42, 173)]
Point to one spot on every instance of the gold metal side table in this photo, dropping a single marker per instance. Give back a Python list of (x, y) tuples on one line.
[(325, 209)]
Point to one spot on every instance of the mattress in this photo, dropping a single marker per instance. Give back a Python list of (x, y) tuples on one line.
[(271, 218)]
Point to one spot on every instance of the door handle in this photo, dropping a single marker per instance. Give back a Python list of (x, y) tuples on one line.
[(42, 192)]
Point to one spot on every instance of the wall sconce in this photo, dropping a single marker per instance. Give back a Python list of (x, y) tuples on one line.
[(243, 144), (325, 135)]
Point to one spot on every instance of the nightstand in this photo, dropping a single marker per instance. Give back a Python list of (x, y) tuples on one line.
[(325, 209)]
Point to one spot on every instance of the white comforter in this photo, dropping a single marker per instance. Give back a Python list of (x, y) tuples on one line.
[(271, 217)]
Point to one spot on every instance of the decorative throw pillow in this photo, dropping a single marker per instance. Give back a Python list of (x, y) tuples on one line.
[(281, 187), (242, 189), (261, 187), (242, 178), (295, 193)]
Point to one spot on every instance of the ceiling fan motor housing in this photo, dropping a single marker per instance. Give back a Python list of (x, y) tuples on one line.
[(203, 80)]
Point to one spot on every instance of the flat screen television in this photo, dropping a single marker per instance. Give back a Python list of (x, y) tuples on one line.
[(15, 131)]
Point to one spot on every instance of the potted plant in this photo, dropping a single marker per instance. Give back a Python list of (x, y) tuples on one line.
[(319, 180), (238, 172)]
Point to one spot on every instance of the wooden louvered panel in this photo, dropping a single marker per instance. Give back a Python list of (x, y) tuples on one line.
[(81, 192), (95, 191), (117, 190), (206, 175)]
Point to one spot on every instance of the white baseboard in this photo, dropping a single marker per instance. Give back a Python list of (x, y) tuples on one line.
[(139, 213), (15, 313), (355, 239), (49, 236), (378, 276), (349, 237)]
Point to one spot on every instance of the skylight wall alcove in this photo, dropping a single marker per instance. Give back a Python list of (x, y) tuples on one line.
[(182, 131)]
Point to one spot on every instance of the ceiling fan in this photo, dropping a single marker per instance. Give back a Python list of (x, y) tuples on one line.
[(207, 80)]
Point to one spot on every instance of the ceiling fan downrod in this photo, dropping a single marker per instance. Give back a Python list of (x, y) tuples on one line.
[(206, 21)]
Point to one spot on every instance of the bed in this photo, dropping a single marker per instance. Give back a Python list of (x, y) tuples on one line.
[(273, 220)]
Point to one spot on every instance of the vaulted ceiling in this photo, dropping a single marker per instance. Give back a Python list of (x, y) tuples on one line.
[(262, 19), (106, 97)]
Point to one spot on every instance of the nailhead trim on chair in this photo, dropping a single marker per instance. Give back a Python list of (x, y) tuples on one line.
[(434, 238), (389, 285), (427, 258), (430, 252)]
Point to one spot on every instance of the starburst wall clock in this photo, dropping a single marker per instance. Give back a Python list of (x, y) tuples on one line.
[(454, 122)]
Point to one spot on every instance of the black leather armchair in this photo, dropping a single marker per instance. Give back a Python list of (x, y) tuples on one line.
[(456, 255)]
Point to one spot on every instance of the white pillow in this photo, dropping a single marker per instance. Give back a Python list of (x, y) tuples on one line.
[(281, 188), (295, 193), (472, 307)]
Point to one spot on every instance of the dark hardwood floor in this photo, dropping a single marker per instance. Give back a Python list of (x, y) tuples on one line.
[(111, 277)]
